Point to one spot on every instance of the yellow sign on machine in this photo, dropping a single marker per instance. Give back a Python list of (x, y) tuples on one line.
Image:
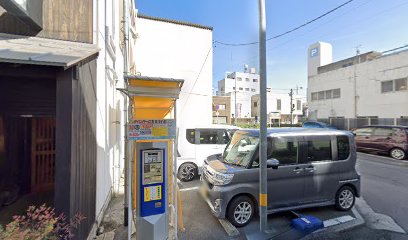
[(152, 193)]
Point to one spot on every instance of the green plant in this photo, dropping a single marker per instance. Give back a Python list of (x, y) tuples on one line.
[(41, 223)]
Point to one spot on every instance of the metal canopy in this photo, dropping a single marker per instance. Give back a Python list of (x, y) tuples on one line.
[(153, 98), (43, 51)]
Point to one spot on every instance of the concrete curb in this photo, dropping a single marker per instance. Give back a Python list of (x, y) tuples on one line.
[(358, 221), (377, 220)]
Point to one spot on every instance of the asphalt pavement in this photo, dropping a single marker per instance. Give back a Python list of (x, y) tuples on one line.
[(200, 223), (384, 186)]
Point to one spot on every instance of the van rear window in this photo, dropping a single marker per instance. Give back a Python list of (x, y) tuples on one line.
[(343, 147)]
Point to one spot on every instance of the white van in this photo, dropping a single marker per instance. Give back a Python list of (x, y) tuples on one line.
[(196, 144)]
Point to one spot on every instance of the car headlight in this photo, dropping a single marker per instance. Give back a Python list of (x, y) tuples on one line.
[(222, 178)]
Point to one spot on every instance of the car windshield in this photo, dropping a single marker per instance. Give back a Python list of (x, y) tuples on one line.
[(240, 149)]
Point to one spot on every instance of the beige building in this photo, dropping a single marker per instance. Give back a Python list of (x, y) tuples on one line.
[(221, 109)]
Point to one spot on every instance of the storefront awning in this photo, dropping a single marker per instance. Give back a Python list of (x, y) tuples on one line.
[(43, 51), (153, 98)]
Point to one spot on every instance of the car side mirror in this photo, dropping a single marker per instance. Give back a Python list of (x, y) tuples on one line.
[(272, 163)]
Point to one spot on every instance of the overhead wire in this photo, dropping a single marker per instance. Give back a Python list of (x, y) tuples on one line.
[(198, 76), (336, 17), (287, 32)]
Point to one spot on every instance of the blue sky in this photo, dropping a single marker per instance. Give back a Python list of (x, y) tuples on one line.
[(374, 24)]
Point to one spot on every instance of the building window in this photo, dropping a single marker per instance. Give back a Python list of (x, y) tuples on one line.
[(329, 94), (255, 80), (247, 89), (221, 107), (320, 95), (241, 88), (336, 93), (298, 105), (255, 104), (278, 104), (222, 89), (314, 96), (239, 79), (253, 90), (401, 84), (386, 86), (247, 79)]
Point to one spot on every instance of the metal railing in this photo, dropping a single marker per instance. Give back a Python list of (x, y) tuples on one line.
[(351, 123)]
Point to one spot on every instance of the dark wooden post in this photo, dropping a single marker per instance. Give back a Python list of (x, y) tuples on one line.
[(63, 142)]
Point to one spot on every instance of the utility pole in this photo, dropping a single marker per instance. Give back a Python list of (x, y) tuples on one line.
[(235, 101), (291, 106), (356, 61), (263, 187), (297, 89)]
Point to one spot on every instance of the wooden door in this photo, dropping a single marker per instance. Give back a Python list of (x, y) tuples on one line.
[(42, 154)]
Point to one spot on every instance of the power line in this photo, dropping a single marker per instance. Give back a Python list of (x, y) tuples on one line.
[(198, 76), (287, 32), (395, 49)]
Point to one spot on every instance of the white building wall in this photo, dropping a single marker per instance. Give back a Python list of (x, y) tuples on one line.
[(319, 54), (272, 104), (109, 117), (243, 107), (177, 51), (370, 100)]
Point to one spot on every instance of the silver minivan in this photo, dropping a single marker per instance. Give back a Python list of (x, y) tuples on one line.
[(306, 168)]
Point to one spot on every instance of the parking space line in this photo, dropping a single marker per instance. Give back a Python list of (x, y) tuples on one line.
[(188, 189), (231, 230), (338, 220)]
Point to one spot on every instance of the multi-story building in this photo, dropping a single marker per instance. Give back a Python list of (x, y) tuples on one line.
[(240, 86), (247, 81), (369, 85), (279, 107)]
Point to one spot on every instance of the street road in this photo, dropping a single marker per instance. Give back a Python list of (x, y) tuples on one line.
[(384, 185)]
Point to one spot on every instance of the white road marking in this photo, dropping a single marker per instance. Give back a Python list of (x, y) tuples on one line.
[(338, 220), (231, 230), (188, 189)]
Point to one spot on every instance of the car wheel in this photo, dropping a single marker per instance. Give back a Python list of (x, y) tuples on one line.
[(187, 172), (397, 153), (240, 211), (345, 198)]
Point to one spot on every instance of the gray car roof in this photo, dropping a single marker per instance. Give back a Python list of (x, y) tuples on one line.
[(295, 131)]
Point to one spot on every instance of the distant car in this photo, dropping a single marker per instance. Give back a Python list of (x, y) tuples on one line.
[(313, 124), (390, 140)]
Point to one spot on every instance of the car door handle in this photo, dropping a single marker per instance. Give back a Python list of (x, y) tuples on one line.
[(310, 169), (297, 170)]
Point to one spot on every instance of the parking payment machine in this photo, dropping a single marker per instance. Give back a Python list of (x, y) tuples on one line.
[(152, 190)]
